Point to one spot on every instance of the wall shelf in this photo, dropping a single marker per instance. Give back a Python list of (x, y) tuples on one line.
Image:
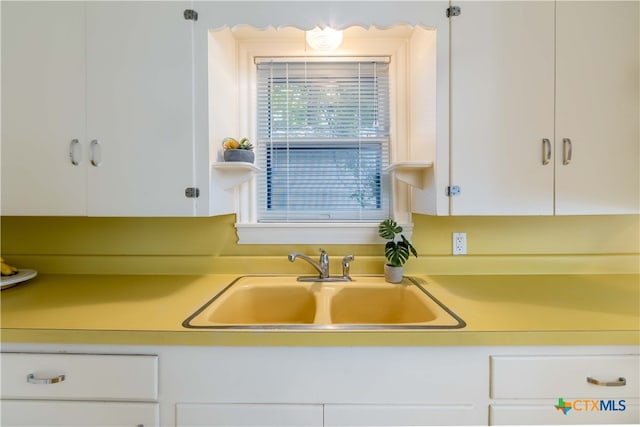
[(231, 174), (411, 172)]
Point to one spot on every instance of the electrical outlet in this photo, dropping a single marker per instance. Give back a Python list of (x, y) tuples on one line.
[(459, 243)]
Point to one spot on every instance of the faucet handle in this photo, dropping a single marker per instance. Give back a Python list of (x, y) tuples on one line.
[(346, 266)]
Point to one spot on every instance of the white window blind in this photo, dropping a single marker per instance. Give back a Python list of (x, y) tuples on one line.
[(323, 139)]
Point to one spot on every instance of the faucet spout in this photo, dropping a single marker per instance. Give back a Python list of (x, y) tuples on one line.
[(321, 267)]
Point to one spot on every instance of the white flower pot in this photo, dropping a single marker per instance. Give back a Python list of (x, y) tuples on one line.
[(393, 274)]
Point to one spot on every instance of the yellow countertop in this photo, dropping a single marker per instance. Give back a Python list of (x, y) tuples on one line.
[(498, 309)]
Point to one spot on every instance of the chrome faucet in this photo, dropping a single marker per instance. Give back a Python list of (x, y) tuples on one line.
[(346, 265), (322, 267)]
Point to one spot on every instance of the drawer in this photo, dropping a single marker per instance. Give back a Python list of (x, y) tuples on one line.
[(565, 376), (547, 414), (52, 413), (79, 376)]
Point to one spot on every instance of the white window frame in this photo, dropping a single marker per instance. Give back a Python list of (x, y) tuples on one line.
[(248, 229)]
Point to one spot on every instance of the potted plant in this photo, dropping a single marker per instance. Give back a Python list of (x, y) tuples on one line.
[(397, 250), (238, 151)]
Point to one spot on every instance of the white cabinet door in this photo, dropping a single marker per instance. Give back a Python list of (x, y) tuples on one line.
[(245, 415), (43, 108), (502, 95), (80, 414), (597, 106), (548, 414), (399, 415), (117, 78), (139, 108), (528, 72)]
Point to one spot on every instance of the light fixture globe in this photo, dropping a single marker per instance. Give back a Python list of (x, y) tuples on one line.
[(324, 39)]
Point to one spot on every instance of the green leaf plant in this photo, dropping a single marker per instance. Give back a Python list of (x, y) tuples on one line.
[(398, 249)]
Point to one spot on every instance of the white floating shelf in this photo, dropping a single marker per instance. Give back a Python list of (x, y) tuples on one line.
[(410, 172), (231, 174)]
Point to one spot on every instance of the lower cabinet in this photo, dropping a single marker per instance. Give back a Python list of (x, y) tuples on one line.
[(565, 389), (325, 386), (80, 414), (330, 415), (546, 414), (61, 389), (191, 386), (246, 415), (399, 415)]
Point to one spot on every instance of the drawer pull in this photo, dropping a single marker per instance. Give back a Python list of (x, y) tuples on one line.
[(546, 151), (620, 382), (74, 149), (96, 153), (31, 379), (567, 151)]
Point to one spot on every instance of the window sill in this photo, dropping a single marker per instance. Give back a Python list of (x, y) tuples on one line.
[(313, 233)]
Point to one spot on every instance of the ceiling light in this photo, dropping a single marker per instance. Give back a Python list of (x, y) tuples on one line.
[(326, 39)]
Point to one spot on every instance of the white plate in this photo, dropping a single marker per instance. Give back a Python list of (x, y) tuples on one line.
[(8, 281)]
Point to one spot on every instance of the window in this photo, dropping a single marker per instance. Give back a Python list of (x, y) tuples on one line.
[(373, 157), (323, 135)]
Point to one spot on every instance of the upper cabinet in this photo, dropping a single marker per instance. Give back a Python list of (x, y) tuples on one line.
[(97, 109), (544, 108), (44, 146), (597, 132), (118, 108)]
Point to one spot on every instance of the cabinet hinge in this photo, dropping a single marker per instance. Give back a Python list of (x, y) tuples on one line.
[(192, 192), (190, 14), (453, 190), (453, 11)]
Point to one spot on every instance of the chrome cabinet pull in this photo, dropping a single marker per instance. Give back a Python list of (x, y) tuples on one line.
[(32, 379), (567, 151), (546, 151), (73, 147), (96, 153), (618, 383)]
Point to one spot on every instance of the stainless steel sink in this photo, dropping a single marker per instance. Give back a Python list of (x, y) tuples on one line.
[(282, 302)]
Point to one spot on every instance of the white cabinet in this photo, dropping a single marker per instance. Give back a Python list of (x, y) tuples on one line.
[(77, 414), (248, 415), (563, 389), (544, 101), (318, 386), (398, 415), (97, 109), (597, 107), (342, 386), (79, 389), (43, 109), (328, 415)]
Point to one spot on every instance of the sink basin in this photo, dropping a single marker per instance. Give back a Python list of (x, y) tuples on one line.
[(281, 302), (261, 305), (397, 304)]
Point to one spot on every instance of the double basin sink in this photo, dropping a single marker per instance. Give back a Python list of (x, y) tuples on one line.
[(282, 302)]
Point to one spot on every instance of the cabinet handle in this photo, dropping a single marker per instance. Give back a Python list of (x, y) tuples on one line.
[(567, 151), (620, 382), (31, 379), (546, 151), (96, 153), (73, 146)]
